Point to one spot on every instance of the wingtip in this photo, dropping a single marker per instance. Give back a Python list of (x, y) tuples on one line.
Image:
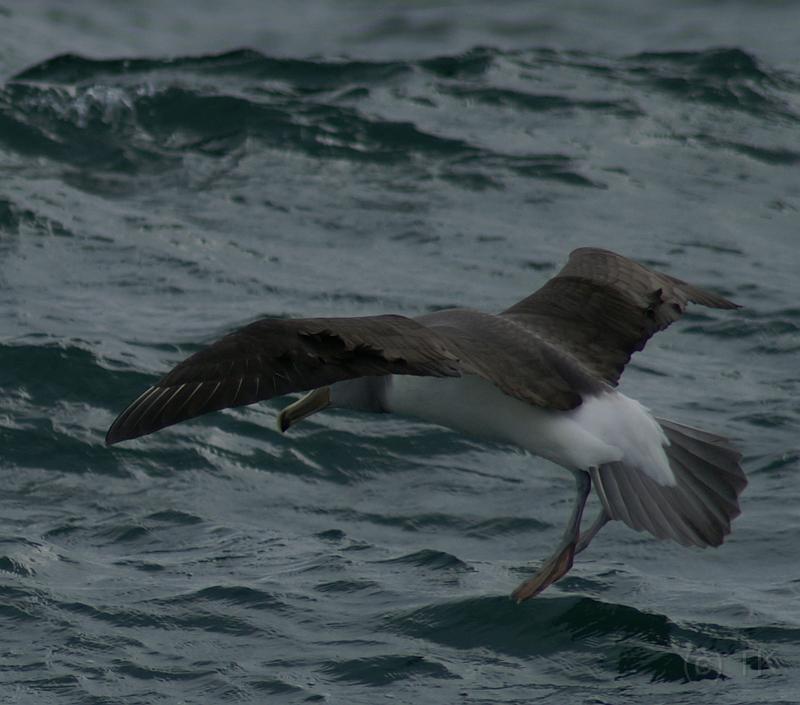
[(120, 432), (703, 297), (722, 302), (112, 438)]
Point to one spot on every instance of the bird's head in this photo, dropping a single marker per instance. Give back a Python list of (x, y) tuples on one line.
[(358, 394), (316, 400)]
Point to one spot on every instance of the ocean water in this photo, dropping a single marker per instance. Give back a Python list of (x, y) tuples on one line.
[(169, 173)]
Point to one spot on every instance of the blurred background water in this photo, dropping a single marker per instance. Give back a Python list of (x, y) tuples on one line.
[(173, 170)]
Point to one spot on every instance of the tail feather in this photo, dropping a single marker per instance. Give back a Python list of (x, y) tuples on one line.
[(704, 477), (715, 450), (611, 496), (665, 515), (698, 509)]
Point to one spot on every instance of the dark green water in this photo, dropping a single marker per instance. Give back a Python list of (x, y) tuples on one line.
[(161, 185)]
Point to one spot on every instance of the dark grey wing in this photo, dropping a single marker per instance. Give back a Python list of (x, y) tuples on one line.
[(602, 307), (514, 358), (272, 357)]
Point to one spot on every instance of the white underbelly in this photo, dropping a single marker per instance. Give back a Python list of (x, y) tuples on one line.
[(607, 428)]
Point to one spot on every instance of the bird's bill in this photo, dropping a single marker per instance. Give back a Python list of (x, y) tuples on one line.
[(311, 403)]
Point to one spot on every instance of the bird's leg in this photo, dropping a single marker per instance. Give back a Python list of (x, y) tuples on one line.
[(558, 565), (586, 536)]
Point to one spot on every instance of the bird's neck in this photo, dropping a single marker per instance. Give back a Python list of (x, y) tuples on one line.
[(360, 394)]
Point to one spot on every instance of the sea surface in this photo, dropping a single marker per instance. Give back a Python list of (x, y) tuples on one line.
[(170, 171)]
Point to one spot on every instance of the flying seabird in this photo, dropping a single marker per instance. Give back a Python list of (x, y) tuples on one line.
[(540, 375)]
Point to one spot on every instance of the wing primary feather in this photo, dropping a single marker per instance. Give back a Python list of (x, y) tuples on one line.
[(144, 411), (169, 399), (134, 410), (213, 391), (116, 432), (178, 411), (238, 389), (122, 418)]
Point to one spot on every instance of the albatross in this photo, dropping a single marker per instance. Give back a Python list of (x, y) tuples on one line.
[(541, 375)]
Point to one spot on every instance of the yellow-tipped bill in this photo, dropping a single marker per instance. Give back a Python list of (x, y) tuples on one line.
[(311, 403)]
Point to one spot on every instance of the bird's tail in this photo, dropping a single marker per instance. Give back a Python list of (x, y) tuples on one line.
[(698, 509)]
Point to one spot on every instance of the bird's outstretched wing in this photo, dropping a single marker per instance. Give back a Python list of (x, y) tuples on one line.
[(568, 339), (602, 307), (272, 357)]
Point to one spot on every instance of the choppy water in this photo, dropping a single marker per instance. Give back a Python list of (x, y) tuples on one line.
[(149, 204)]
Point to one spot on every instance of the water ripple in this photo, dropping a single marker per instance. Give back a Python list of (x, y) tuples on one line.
[(152, 204)]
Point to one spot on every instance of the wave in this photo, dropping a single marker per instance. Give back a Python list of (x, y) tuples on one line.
[(142, 564), (142, 117), (610, 638), (382, 670)]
